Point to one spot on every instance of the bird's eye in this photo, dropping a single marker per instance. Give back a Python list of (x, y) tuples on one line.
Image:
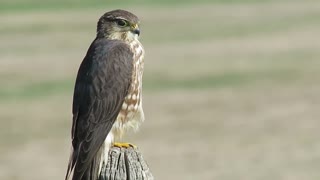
[(122, 22)]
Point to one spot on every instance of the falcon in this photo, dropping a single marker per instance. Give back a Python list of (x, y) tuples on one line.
[(107, 98)]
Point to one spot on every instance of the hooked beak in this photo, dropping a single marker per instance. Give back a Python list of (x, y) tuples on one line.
[(135, 29)]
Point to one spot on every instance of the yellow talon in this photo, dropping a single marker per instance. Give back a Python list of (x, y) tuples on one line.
[(123, 145)]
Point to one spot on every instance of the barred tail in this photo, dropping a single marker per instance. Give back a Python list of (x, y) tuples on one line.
[(71, 164), (94, 169)]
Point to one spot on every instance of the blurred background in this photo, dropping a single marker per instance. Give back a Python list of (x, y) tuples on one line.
[(231, 87)]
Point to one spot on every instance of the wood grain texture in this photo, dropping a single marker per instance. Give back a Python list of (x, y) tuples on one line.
[(125, 164)]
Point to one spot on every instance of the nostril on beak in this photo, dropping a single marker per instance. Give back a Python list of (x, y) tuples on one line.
[(136, 31)]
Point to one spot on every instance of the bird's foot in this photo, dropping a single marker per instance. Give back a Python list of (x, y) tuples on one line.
[(124, 145)]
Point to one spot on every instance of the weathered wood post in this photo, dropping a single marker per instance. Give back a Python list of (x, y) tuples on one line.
[(125, 164)]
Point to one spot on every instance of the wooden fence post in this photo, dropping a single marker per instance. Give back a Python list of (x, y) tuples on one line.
[(125, 164)]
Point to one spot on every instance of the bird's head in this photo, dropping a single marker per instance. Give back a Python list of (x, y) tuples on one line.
[(118, 24)]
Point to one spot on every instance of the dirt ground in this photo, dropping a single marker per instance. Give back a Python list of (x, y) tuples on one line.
[(232, 93)]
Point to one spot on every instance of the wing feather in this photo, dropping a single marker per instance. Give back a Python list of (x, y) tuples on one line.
[(102, 83)]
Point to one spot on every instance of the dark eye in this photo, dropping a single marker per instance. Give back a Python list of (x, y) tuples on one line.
[(122, 22)]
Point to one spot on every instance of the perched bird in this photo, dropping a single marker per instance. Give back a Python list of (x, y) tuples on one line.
[(107, 95)]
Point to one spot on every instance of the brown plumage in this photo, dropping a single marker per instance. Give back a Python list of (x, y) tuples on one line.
[(107, 94)]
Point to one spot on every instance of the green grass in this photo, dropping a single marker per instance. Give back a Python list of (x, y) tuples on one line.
[(36, 90), (217, 29), (54, 5), (158, 83), (222, 30)]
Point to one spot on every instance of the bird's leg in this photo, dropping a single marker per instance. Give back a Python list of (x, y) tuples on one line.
[(124, 145)]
